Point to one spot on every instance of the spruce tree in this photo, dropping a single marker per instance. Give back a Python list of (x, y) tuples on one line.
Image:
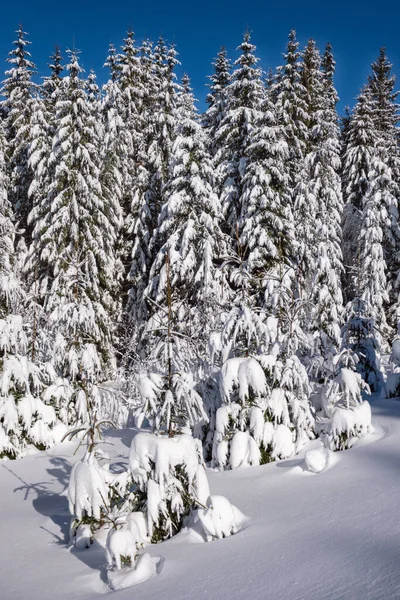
[(18, 89), (25, 420), (155, 158), (386, 119), (233, 136), (218, 97), (185, 284), (358, 152), (325, 187), (74, 230), (290, 95)]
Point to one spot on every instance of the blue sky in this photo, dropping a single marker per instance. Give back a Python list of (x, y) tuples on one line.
[(355, 29)]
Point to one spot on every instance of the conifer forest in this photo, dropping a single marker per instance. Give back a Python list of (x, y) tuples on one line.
[(226, 284)]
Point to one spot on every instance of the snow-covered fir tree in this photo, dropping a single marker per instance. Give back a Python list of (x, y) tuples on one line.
[(218, 97), (325, 188), (74, 233), (26, 421), (386, 118), (17, 108), (290, 96), (129, 82), (185, 286), (154, 172), (359, 149), (245, 94), (53, 82)]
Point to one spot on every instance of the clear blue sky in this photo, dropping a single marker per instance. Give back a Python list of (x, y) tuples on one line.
[(355, 29)]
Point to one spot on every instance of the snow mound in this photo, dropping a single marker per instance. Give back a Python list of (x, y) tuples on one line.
[(317, 459), (220, 519), (146, 566), (121, 543)]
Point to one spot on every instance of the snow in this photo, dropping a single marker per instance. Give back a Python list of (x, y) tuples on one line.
[(220, 519), (166, 454), (87, 491), (328, 537), (145, 567), (153, 461), (317, 460), (244, 373), (353, 421), (121, 543), (283, 442), (244, 450)]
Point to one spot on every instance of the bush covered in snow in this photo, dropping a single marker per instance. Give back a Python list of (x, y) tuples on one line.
[(349, 416), (171, 480), (265, 413)]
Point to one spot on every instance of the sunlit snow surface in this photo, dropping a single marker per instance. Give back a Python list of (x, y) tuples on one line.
[(334, 535)]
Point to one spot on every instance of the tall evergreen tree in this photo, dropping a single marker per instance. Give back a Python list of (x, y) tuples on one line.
[(292, 110), (386, 119), (160, 131), (233, 136), (18, 89), (185, 284), (358, 152), (325, 187), (25, 420), (74, 229), (218, 97)]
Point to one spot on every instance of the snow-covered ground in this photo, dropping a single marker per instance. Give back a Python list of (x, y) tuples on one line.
[(333, 535)]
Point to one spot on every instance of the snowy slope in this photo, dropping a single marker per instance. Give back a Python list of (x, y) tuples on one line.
[(332, 536)]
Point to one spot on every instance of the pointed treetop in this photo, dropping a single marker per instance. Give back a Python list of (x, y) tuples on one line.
[(55, 65), (113, 63)]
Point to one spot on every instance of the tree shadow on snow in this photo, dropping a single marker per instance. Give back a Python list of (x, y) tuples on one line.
[(54, 505), (290, 464), (94, 558), (48, 503), (124, 435)]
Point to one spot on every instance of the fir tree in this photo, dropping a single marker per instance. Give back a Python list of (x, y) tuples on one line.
[(160, 131), (24, 418), (17, 108), (245, 95), (74, 234), (52, 83), (386, 117), (217, 98), (185, 285), (292, 110), (361, 141), (325, 187)]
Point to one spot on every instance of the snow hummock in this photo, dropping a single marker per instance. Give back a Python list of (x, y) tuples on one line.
[(317, 459), (145, 567), (220, 519), (120, 543)]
